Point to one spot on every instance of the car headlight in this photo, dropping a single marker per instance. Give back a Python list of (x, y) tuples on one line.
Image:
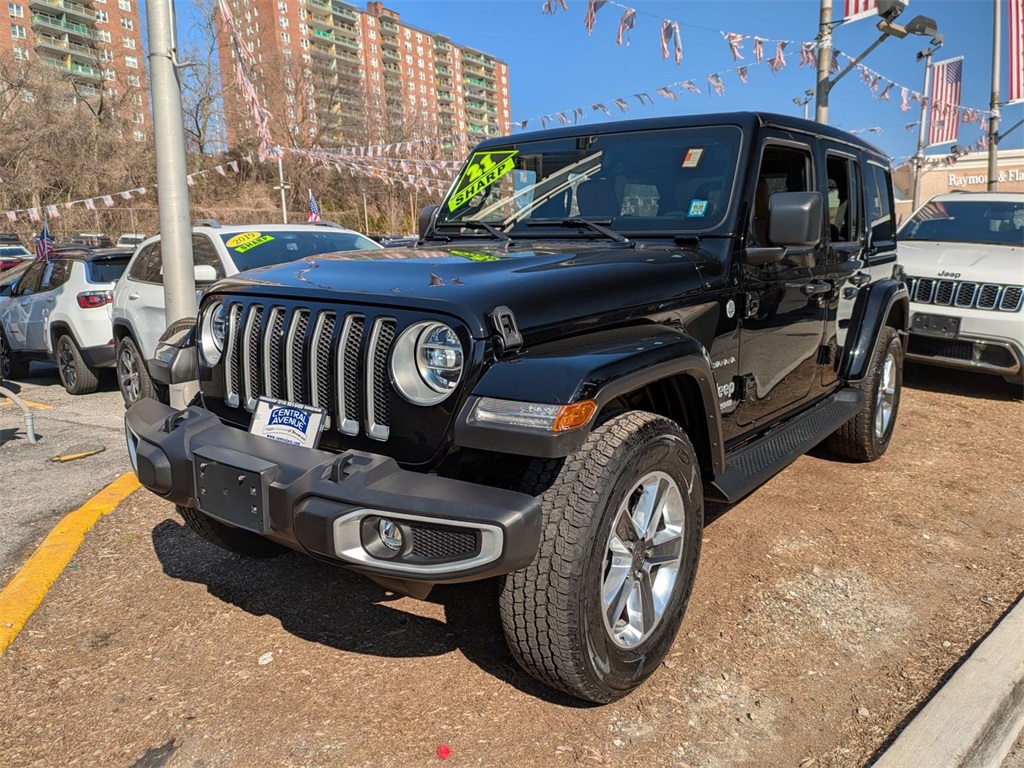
[(212, 334), (426, 363)]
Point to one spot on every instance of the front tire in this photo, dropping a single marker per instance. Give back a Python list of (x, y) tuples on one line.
[(9, 366), (77, 377), (132, 375), (866, 436), (244, 543), (598, 609)]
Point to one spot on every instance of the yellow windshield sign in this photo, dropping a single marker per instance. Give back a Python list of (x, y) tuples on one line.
[(484, 169), (474, 255)]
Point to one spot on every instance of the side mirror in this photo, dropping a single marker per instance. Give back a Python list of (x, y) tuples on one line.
[(426, 220), (205, 273), (795, 219)]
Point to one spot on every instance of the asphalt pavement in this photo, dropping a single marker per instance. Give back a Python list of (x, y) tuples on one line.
[(37, 492)]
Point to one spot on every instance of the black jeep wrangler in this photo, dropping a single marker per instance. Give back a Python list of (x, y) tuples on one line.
[(600, 328)]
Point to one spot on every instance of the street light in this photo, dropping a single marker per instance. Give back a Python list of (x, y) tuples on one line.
[(809, 94), (888, 10), (926, 54)]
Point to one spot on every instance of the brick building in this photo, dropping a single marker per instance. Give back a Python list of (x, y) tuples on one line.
[(95, 44), (333, 74)]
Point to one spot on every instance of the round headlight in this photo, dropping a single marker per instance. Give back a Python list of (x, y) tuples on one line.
[(426, 363), (212, 334)]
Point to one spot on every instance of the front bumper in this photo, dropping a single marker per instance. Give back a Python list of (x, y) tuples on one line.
[(328, 505)]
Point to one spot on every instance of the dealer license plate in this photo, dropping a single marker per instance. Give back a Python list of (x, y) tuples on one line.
[(288, 422), (935, 325)]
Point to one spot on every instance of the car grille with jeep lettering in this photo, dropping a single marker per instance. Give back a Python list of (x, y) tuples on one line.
[(337, 361), (965, 294)]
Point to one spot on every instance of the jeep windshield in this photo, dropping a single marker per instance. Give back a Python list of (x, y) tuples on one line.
[(250, 250), (967, 221), (638, 182)]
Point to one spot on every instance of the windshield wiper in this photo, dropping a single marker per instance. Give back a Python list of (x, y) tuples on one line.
[(611, 234), (477, 224)]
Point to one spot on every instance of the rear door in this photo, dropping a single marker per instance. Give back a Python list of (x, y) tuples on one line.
[(784, 315), (141, 297)]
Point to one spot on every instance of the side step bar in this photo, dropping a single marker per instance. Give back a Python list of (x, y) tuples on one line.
[(753, 464)]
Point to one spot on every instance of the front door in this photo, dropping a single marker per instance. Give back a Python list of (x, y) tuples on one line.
[(18, 312), (785, 302)]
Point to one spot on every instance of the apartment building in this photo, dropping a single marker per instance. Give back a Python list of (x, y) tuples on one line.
[(334, 74), (95, 44)]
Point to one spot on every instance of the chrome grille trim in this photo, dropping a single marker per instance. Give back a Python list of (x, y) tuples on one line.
[(965, 294), (272, 342), (294, 361), (377, 389), (320, 360), (250, 353), (231, 372), (348, 374)]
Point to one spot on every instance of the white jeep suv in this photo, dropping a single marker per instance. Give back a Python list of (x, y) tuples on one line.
[(217, 251), (963, 253), (59, 311)]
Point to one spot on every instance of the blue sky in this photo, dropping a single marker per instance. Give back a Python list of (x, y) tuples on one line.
[(555, 66)]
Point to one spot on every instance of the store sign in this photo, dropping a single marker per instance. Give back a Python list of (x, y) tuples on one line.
[(1014, 174)]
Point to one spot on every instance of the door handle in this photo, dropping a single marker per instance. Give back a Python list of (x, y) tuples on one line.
[(816, 288), (133, 296), (859, 278)]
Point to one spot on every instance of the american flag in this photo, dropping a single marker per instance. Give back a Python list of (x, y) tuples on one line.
[(314, 209), (858, 9), (44, 246), (1015, 24), (944, 101)]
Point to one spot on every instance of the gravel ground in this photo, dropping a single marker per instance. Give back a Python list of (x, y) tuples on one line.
[(828, 606)]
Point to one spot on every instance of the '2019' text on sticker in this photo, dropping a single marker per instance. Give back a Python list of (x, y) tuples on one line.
[(244, 237), (484, 169)]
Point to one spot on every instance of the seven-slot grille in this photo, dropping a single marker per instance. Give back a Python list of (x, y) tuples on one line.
[(336, 361), (965, 294)]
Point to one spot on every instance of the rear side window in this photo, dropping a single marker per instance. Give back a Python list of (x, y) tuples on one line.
[(843, 199), (879, 193), (106, 270), (55, 274), (146, 267)]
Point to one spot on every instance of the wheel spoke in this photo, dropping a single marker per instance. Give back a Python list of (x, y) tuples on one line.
[(665, 552), (647, 617), (647, 514), (616, 599), (624, 531)]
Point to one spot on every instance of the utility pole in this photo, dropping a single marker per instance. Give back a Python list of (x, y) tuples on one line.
[(366, 217), (921, 127), (824, 62), (993, 120), (282, 185), (172, 187)]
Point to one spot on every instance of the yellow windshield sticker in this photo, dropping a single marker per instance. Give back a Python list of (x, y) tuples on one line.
[(245, 237), (474, 256), (484, 169), (250, 244)]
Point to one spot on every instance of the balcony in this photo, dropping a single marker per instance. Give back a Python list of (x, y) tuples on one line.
[(63, 27), (391, 55), (388, 66), (474, 58), (442, 70), (322, 51), (320, 22), (345, 12), (319, 5), (346, 30), (74, 11), (323, 35), (82, 71), (348, 57), (64, 47), (441, 45), (389, 43), (444, 96), (347, 44), (388, 27)]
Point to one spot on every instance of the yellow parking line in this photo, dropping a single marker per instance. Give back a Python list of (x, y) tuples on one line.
[(25, 592), (38, 406)]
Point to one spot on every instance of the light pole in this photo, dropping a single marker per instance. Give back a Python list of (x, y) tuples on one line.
[(888, 10), (282, 185), (805, 102), (926, 54)]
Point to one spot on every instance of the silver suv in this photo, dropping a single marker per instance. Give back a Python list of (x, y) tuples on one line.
[(963, 253), (218, 251)]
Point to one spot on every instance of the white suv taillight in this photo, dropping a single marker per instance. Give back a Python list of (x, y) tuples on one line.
[(95, 299)]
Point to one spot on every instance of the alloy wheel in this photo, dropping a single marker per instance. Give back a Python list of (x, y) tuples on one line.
[(66, 362), (128, 375), (885, 400)]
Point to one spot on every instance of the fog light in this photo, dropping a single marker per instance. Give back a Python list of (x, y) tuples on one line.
[(390, 534)]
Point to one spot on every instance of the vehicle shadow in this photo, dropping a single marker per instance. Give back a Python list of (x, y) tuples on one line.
[(341, 609), (950, 381)]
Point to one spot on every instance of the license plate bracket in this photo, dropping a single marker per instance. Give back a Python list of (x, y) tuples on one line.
[(292, 423), (233, 487), (935, 325)]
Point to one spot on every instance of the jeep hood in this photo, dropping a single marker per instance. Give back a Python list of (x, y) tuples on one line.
[(974, 262), (548, 288)]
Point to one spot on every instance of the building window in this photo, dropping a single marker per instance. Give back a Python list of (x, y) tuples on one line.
[(20, 54), (305, 47), (303, 29), (129, 43), (101, 17), (125, 5), (372, 35), (139, 135), (138, 118), (134, 80), (18, 32), (106, 54), (373, 49), (283, 21), (103, 35), (127, 23), (131, 62), (137, 99), (286, 38), (109, 75), (282, 7), (15, 11)]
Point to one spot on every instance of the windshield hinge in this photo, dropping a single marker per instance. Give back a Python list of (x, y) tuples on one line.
[(506, 328)]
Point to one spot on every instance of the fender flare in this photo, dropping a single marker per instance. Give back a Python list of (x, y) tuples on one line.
[(600, 366), (885, 302)]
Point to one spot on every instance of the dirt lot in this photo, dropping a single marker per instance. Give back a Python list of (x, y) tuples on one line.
[(828, 606)]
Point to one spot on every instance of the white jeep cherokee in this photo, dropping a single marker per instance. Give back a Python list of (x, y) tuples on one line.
[(963, 254)]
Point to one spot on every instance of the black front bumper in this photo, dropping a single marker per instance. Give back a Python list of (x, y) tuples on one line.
[(329, 505)]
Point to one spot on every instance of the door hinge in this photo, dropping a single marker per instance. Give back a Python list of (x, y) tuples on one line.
[(744, 386), (751, 304), (826, 354), (506, 328)]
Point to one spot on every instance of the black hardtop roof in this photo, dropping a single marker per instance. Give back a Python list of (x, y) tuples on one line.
[(745, 120)]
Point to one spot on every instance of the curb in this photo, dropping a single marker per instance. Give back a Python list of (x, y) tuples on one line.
[(974, 719), (25, 592)]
